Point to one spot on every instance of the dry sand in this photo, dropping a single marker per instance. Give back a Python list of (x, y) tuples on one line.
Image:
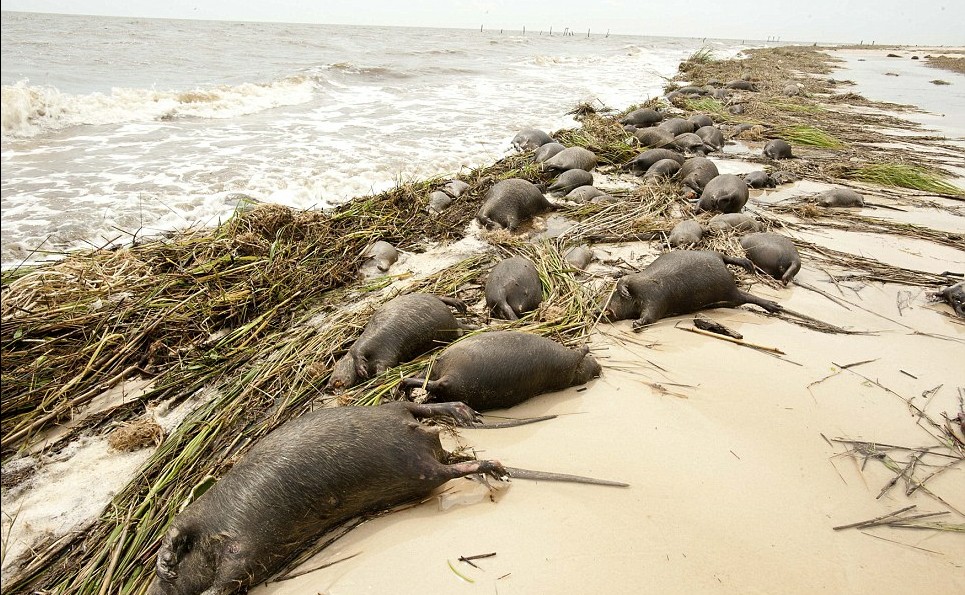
[(737, 479)]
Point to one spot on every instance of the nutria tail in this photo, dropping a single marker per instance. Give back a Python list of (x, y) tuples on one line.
[(516, 473)]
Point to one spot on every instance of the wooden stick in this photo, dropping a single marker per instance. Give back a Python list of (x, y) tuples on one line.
[(732, 340)]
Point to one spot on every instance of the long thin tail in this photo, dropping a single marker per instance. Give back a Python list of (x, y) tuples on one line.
[(517, 473), (512, 423)]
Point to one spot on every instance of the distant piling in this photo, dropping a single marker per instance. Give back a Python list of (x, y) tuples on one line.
[(480, 28), (551, 32), (587, 33)]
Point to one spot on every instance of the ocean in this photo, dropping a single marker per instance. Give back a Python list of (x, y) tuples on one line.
[(116, 128)]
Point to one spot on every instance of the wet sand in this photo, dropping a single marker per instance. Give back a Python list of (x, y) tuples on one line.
[(737, 479)]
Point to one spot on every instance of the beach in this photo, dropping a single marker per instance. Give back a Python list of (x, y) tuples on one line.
[(739, 461), (751, 466)]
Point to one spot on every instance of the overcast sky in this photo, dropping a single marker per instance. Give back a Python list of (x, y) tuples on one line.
[(882, 21)]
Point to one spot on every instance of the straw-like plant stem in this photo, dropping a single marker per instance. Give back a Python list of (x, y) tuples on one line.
[(808, 135), (903, 176)]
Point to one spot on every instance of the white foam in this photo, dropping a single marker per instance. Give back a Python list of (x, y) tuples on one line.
[(29, 110), (67, 493)]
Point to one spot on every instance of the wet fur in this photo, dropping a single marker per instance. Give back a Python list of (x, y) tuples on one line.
[(303, 479), (510, 203), (726, 193), (401, 330), (774, 254), (513, 288), (680, 282), (500, 369)]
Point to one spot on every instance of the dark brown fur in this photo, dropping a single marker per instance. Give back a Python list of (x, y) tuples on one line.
[(510, 203), (503, 368), (306, 478), (513, 288), (680, 282), (402, 329)]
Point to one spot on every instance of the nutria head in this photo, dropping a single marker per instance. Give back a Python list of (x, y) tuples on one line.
[(588, 368), (190, 561), (343, 374)]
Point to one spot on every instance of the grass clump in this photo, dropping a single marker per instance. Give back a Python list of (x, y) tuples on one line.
[(695, 64), (602, 135), (706, 104), (808, 135), (903, 176), (702, 56)]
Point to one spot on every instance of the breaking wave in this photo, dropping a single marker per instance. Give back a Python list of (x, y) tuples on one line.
[(31, 110)]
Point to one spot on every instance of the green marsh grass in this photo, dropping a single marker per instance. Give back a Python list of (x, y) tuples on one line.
[(810, 136), (702, 56), (706, 104), (903, 176)]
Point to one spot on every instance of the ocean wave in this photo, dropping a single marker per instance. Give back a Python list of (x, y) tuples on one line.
[(541, 60), (342, 74), (373, 72), (31, 110), (439, 52)]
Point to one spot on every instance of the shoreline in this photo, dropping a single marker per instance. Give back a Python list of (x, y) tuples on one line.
[(716, 521)]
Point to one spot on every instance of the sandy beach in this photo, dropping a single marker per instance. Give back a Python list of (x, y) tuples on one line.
[(738, 459), (744, 460)]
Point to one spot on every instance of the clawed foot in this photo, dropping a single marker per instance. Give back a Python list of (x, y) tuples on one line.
[(464, 415), (460, 413), (493, 469)]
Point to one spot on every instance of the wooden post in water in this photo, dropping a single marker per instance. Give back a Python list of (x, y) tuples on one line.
[(587, 33), (608, 33), (524, 29), (551, 31), (480, 28)]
